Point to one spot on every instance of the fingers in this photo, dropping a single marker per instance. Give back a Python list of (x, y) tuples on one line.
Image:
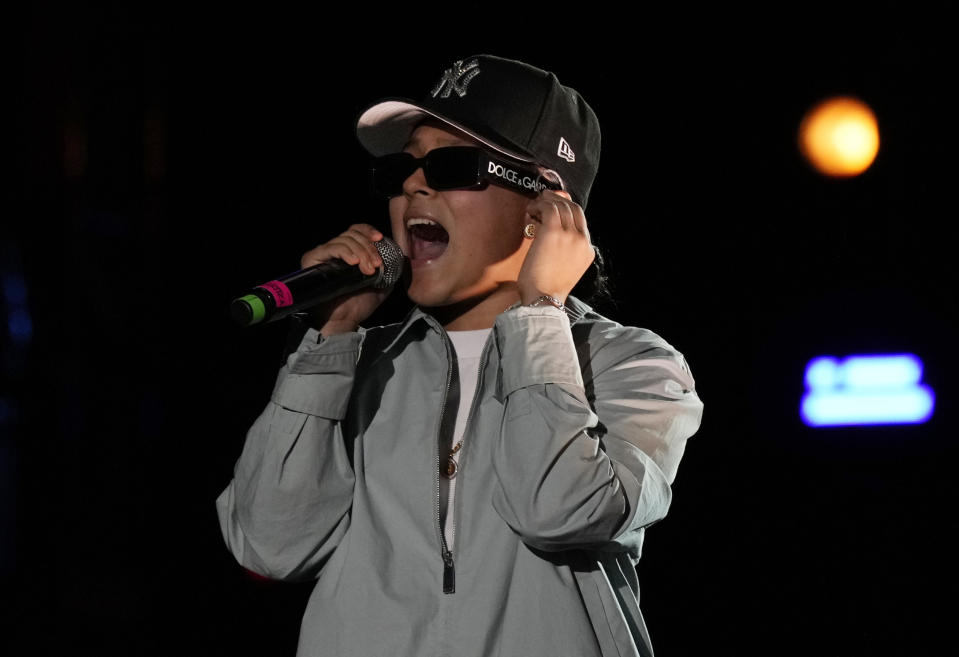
[(552, 209), (355, 246), (561, 250)]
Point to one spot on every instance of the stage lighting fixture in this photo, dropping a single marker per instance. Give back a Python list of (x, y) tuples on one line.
[(839, 137), (866, 390)]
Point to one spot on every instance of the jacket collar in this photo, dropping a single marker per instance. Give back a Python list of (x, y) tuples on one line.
[(413, 317), (575, 310)]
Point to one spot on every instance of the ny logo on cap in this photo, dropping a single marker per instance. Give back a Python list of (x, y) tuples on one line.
[(565, 152), (456, 78)]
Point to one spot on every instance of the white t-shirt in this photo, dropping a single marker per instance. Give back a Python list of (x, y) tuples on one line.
[(469, 349)]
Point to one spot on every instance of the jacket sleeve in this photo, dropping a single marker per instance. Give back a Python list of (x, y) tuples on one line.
[(586, 464), (288, 504)]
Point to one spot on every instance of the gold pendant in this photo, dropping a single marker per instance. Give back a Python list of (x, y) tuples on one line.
[(451, 468)]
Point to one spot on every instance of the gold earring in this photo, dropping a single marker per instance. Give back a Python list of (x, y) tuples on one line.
[(529, 230)]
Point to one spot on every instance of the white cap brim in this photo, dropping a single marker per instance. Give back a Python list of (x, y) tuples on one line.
[(386, 127)]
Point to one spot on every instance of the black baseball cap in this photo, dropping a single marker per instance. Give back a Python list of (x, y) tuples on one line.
[(514, 108)]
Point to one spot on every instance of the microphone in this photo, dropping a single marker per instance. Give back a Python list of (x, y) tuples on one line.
[(314, 285)]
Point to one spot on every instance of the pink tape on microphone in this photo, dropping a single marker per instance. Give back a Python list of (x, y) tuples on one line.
[(281, 293)]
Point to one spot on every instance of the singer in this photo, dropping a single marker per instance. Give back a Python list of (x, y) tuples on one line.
[(475, 480)]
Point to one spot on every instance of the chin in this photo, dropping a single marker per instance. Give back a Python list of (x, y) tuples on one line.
[(425, 293)]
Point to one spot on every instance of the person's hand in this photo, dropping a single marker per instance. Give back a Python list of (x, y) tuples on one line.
[(355, 247), (561, 251)]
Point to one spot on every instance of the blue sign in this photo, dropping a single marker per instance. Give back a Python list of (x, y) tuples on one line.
[(880, 389)]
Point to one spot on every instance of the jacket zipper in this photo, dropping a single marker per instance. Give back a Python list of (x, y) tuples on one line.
[(449, 574), (449, 571)]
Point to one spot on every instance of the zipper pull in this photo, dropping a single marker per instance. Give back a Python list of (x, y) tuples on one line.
[(449, 578)]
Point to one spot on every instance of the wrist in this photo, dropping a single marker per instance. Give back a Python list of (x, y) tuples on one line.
[(544, 300), (530, 296), (337, 327)]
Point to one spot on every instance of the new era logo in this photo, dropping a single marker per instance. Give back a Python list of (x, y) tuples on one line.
[(565, 152), (456, 78)]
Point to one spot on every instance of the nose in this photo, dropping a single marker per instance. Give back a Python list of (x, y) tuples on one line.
[(416, 184)]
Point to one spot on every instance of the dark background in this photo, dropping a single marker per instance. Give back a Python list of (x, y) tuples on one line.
[(169, 158)]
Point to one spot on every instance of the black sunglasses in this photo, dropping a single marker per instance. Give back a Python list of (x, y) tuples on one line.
[(455, 167)]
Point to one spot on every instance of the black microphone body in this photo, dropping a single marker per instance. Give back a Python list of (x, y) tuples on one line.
[(308, 287)]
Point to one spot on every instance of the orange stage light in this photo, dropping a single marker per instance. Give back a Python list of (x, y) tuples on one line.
[(839, 137)]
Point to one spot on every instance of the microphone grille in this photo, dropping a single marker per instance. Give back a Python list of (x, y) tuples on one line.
[(393, 262)]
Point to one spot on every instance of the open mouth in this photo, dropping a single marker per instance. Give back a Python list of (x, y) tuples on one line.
[(428, 240)]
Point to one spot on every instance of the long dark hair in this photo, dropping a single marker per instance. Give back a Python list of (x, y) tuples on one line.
[(594, 286)]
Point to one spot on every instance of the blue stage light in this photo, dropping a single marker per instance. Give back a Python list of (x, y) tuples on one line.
[(20, 325), (866, 390)]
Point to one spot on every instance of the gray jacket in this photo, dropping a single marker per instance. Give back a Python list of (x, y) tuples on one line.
[(574, 437)]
